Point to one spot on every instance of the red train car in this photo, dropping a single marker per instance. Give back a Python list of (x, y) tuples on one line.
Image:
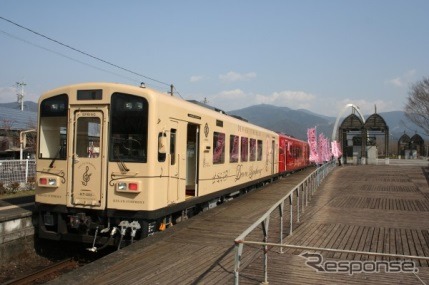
[(293, 154)]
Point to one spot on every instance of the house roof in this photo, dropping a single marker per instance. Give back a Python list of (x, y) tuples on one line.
[(14, 119)]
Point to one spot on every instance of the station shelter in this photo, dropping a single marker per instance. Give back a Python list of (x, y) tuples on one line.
[(363, 142), (410, 148)]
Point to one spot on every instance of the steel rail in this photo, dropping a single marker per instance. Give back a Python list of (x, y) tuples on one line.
[(43, 273)]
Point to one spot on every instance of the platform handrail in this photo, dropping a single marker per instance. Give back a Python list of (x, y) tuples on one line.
[(307, 187)]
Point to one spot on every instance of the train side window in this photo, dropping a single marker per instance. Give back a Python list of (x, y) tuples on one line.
[(252, 149), (234, 148), (88, 137), (218, 148), (161, 155), (53, 127), (128, 128), (244, 149), (260, 148), (173, 146)]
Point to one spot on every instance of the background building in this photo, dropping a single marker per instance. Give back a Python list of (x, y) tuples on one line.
[(12, 123)]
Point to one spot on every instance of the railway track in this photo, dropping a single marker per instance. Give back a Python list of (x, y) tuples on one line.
[(45, 274)]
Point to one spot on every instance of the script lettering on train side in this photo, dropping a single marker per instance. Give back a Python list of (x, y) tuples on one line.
[(240, 173), (88, 114), (249, 131), (250, 173), (127, 201), (50, 196), (220, 177), (254, 172)]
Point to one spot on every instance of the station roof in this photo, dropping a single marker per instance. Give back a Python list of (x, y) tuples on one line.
[(352, 122), (14, 119), (376, 122)]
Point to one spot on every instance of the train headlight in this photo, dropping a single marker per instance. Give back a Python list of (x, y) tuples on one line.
[(51, 182), (122, 186), (129, 186)]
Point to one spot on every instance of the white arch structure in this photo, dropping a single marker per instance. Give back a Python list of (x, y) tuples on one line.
[(354, 107)]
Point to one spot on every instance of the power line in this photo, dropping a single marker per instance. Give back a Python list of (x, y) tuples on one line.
[(82, 52), (68, 57)]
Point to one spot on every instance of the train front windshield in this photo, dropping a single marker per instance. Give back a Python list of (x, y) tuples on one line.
[(53, 127), (129, 127)]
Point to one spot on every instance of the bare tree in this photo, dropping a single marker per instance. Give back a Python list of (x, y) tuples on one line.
[(417, 107), (7, 134)]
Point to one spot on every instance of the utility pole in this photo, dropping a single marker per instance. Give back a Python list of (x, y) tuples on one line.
[(21, 94)]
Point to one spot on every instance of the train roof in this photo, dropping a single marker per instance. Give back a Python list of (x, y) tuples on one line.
[(216, 110), (152, 92)]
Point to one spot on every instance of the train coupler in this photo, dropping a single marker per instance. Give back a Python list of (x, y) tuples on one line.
[(79, 220)]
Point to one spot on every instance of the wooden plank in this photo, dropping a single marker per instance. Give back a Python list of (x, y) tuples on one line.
[(312, 238), (410, 242), (424, 244), (336, 240), (354, 243), (418, 247), (392, 242), (348, 241), (368, 241), (380, 242), (374, 242)]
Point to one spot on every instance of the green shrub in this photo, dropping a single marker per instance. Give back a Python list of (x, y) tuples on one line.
[(13, 187), (2, 188)]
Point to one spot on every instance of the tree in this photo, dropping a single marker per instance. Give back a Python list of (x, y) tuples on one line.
[(417, 107)]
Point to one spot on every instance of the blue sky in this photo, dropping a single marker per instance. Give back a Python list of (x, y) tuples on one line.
[(317, 55)]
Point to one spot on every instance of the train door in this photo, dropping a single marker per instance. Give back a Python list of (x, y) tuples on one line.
[(273, 156), (87, 162), (282, 154), (174, 162), (192, 151), (285, 152)]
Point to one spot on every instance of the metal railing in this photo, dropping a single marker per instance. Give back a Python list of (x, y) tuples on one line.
[(20, 171), (305, 190)]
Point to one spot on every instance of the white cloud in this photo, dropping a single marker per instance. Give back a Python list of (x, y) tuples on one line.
[(196, 78), (7, 94), (231, 99), (403, 80), (232, 94), (237, 99), (234, 77), (291, 99)]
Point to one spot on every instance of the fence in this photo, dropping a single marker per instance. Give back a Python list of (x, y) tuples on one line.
[(21, 171), (304, 190)]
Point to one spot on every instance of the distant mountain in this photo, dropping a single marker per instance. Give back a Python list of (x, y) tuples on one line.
[(398, 124), (28, 106), (286, 120), (296, 122), (318, 115)]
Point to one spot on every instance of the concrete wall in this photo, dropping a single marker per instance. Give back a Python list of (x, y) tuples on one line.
[(16, 237)]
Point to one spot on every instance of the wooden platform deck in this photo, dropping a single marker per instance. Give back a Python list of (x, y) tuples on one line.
[(382, 209), (366, 208)]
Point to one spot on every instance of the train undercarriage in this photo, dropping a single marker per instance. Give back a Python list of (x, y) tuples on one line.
[(114, 228)]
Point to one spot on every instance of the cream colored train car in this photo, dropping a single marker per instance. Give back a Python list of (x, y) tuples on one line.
[(117, 162)]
